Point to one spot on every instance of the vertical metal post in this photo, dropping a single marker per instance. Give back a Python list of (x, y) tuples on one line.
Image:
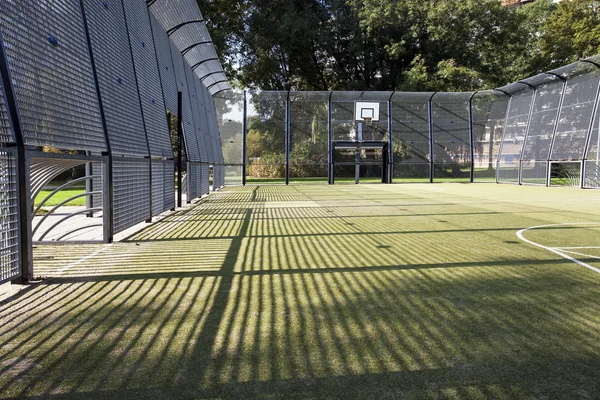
[(288, 127), (330, 160), (179, 147), (107, 176), (503, 139), (390, 150), (244, 138), (472, 140), (359, 139), (431, 137)]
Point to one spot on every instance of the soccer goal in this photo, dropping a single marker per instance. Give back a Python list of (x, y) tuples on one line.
[(565, 173)]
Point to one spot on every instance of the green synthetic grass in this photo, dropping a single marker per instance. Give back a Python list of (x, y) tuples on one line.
[(352, 291), (60, 196)]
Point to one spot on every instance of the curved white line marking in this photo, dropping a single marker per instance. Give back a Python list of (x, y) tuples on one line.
[(554, 250)]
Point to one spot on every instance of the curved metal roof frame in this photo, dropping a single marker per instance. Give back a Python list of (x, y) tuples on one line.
[(183, 21)]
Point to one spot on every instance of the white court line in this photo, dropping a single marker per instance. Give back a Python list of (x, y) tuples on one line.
[(73, 264), (579, 254), (554, 250), (575, 248)]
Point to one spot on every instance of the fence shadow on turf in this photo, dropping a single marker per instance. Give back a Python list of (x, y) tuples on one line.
[(283, 315)]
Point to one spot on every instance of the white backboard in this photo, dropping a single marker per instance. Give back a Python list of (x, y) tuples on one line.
[(363, 109)]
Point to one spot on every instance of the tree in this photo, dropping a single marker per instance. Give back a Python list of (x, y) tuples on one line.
[(571, 33)]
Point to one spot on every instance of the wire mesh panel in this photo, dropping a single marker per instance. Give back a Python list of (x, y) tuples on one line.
[(489, 113), (204, 179), (565, 173), (9, 217), (189, 129), (195, 109), (131, 190), (148, 78), (591, 167), (194, 175), (265, 155), (451, 136), (116, 78), (165, 63), (163, 186), (536, 149), (576, 112), (343, 122), (309, 128), (229, 107), (410, 135), (52, 76), (6, 133), (514, 132)]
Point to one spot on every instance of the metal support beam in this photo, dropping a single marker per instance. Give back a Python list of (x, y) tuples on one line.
[(471, 139), (390, 150), (330, 140), (181, 25), (431, 137), (288, 128), (204, 61), (179, 147), (244, 138), (503, 138)]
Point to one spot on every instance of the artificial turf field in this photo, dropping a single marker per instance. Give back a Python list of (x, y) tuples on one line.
[(345, 291)]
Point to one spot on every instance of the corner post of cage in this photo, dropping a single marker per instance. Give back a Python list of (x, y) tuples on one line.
[(555, 131), (471, 139), (139, 96), (525, 137), (501, 148), (390, 152), (330, 139), (288, 127), (244, 137), (431, 137), (179, 147), (589, 133)]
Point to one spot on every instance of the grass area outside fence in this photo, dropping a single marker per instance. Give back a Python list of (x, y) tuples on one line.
[(307, 291)]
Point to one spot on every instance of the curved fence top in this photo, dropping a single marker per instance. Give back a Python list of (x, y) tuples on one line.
[(185, 25)]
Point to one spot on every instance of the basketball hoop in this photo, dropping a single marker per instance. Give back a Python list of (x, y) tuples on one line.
[(368, 120)]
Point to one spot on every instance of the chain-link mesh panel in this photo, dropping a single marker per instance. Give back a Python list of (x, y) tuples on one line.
[(116, 78), (489, 113), (189, 129), (265, 154), (410, 135), (131, 190), (9, 218), (165, 62), (514, 135), (451, 135), (148, 78), (575, 116), (6, 133), (52, 75), (309, 128)]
